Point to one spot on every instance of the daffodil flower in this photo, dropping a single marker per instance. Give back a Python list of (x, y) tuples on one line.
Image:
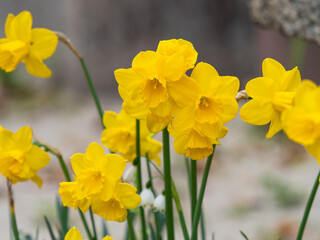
[(271, 95), (20, 160), (120, 136), (301, 123), (27, 45)]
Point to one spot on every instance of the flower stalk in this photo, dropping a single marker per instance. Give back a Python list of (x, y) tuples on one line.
[(12, 212), (139, 178), (308, 207), (62, 37), (201, 195), (193, 188), (167, 183)]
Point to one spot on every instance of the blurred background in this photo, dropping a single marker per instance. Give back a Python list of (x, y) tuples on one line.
[(256, 185)]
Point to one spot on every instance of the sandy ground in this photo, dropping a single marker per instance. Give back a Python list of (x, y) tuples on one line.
[(246, 174)]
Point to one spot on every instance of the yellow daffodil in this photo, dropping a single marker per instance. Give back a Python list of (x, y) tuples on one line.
[(206, 102), (144, 87), (74, 234), (271, 95), (23, 44), (20, 160), (95, 176), (115, 209), (302, 122), (120, 136)]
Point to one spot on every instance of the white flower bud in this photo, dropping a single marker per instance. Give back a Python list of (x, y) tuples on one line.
[(147, 197), (128, 175), (159, 204)]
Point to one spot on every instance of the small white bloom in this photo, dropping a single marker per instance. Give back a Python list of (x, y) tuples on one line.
[(159, 203), (128, 175), (147, 197)]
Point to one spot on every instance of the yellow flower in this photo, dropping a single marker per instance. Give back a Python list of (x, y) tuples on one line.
[(23, 44), (302, 122), (95, 176), (206, 102), (20, 160), (115, 209), (145, 87), (179, 46), (120, 136), (271, 95), (74, 234)]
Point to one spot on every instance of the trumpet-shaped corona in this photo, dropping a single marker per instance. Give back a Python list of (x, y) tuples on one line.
[(74, 234)]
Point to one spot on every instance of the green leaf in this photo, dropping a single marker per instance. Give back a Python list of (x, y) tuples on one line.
[(245, 236), (49, 228)]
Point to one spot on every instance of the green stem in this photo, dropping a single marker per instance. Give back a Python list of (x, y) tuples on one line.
[(202, 226), (92, 89), (139, 178), (193, 187), (132, 235), (308, 207), (67, 176), (12, 212), (85, 224), (156, 214), (93, 224), (167, 184), (201, 195), (176, 198)]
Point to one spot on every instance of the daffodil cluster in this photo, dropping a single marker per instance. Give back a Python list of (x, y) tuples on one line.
[(97, 185), (120, 136), (20, 160), (27, 45), (194, 108), (271, 95)]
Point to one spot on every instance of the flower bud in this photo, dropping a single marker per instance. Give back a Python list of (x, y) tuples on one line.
[(159, 204), (147, 197), (128, 175)]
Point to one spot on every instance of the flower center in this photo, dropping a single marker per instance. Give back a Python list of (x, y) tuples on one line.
[(154, 92), (208, 109), (11, 53)]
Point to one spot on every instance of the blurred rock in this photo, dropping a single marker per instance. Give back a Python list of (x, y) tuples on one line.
[(295, 18)]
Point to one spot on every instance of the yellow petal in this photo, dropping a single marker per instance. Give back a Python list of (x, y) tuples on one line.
[(116, 166), (256, 112), (23, 139), (305, 96), (291, 81), (107, 238), (95, 155), (79, 162), (111, 210), (184, 121), (128, 196), (37, 158), (145, 64), (73, 234), (174, 67), (107, 191), (204, 74), (22, 24), (156, 123), (314, 149), (44, 42), (36, 67), (128, 79), (37, 180), (228, 87), (110, 119), (179, 143), (261, 88), (184, 91), (273, 70), (152, 148), (9, 29), (230, 109), (275, 125)]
